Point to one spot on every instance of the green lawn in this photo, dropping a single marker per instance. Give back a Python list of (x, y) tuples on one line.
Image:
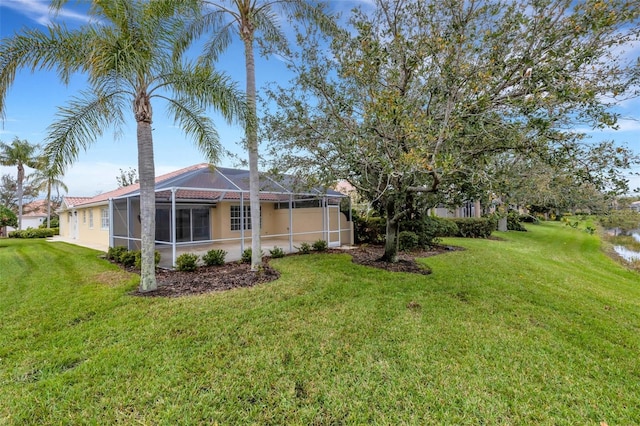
[(539, 328)]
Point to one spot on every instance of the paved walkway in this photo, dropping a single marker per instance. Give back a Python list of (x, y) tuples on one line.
[(97, 246)]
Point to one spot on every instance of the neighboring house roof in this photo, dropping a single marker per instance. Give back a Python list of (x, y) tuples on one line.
[(205, 182), (37, 208)]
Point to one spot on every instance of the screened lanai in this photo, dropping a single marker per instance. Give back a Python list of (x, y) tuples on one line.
[(208, 207)]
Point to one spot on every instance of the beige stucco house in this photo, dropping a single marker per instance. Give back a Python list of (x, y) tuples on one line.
[(204, 206)]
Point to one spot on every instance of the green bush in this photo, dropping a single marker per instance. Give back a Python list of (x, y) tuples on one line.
[(305, 248), (7, 217), (128, 258), (408, 240), (54, 222), (114, 253), (276, 252), (429, 230), (370, 230), (513, 222), (138, 262), (214, 257), (320, 245), (527, 218), (246, 256), (187, 262), (475, 227), (34, 233)]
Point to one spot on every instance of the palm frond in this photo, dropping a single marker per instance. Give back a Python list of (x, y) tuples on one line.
[(193, 121), (206, 87), (79, 125), (60, 49)]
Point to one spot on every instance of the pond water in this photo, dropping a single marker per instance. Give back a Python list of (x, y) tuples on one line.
[(625, 253)]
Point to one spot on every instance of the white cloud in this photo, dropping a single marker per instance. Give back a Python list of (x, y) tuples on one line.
[(41, 13), (628, 125)]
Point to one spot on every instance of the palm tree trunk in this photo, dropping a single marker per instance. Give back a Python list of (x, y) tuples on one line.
[(146, 170), (20, 191), (252, 146), (48, 205)]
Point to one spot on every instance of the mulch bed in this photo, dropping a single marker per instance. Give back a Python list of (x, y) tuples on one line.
[(237, 275)]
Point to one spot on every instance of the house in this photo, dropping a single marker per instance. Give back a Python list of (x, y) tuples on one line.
[(635, 206), (203, 207), (34, 214)]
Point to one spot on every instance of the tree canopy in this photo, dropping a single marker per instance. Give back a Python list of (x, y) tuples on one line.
[(415, 98)]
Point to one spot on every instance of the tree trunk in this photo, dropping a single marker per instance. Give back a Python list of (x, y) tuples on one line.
[(391, 238), (48, 205), (251, 133), (146, 170), (20, 193)]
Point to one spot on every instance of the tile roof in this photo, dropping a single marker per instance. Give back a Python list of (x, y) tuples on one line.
[(204, 182), (35, 208)]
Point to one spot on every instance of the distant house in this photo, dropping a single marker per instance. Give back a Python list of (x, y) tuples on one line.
[(207, 206), (635, 206), (34, 214)]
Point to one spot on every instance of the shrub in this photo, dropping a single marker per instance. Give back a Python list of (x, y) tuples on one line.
[(475, 227), (214, 257), (429, 229), (7, 217), (305, 248), (128, 258), (138, 262), (114, 253), (320, 245), (369, 230), (246, 256), (513, 222), (527, 218), (187, 262), (34, 233), (408, 240), (276, 252), (54, 222)]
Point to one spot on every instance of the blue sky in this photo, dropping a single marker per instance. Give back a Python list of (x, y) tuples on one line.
[(32, 100)]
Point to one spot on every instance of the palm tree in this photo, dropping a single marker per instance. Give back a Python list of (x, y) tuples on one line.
[(47, 178), (129, 57), (19, 153), (246, 18)]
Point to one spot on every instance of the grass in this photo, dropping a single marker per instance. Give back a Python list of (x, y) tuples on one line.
[(538, 328)]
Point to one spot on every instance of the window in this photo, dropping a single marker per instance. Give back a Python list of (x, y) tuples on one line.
[(235, 218), (84, 216), (90, 218), (104, 219)]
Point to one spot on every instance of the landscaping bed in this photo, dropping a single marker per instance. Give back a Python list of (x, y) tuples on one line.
[(237, 275)]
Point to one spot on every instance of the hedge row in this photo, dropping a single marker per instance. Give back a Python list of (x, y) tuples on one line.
[(35, 233)]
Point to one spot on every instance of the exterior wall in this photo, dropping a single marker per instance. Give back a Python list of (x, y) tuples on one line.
[(92, 234), (65, 223), (309, 223), (33, 221), (275, 222), (306, 221)]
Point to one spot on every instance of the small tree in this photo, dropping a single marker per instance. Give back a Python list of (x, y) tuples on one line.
[(47, 178), (19, 153), (7, 218)]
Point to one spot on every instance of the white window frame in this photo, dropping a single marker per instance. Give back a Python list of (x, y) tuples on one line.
[(235, 218), (90, 218), (104, 218)]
